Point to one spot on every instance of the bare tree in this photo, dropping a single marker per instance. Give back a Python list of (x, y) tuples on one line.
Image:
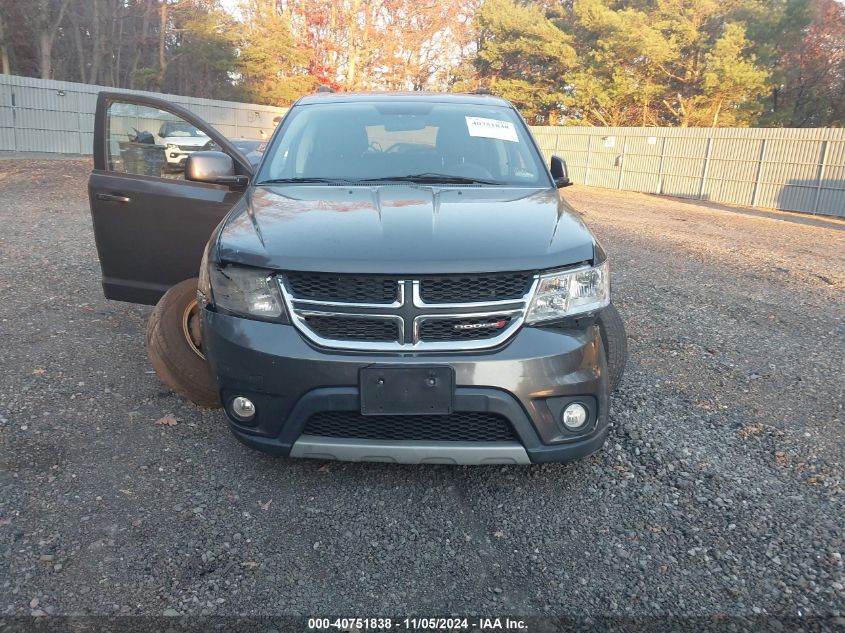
[(4, 47), (49, 16)]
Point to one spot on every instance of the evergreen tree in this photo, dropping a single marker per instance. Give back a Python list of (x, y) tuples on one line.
[(522, 56)]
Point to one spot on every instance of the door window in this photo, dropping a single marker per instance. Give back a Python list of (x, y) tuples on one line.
[(150, 141)]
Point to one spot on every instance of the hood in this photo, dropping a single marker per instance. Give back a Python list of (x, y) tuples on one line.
[(193, 141), (404, 229)]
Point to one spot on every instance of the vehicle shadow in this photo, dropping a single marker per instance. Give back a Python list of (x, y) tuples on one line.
[(784, 214)]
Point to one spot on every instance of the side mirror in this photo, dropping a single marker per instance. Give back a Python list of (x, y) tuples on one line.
[(214, 167), (560, 172)]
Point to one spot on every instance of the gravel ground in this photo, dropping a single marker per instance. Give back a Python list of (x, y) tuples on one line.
[(719, 491)]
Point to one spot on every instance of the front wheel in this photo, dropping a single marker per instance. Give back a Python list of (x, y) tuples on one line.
[(615, 342), (174, 344)]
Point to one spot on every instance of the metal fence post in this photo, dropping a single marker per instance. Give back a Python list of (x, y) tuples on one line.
[(814, 210), (756, 192), (80, 133), (706, 168), (660, 166), (14, 122), (622, 162), (587, 166)]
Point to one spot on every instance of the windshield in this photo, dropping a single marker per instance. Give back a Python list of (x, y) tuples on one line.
[(420, 141)]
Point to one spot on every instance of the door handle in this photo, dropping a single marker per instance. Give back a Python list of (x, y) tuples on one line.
[(111, 197)]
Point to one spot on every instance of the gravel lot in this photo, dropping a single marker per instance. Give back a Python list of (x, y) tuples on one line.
[(720, 490)]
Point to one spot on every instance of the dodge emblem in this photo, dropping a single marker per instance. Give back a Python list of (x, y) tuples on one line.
[(480, 326)]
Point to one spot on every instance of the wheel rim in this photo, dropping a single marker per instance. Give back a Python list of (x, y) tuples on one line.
[(191, 328)]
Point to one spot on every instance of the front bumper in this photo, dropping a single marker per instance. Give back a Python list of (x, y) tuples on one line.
[(177, 157), (528, 381)]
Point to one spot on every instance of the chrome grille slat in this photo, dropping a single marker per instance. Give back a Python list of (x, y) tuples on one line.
[(409, 314)]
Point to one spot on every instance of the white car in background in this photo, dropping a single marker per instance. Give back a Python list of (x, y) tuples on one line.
[(180, 139)]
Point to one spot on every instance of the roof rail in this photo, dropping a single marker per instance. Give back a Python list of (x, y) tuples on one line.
[(325, 88), (481, 91)]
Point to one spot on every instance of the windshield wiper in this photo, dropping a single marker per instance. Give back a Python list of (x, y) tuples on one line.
[(435, 178), (425, 178), (274, 181)]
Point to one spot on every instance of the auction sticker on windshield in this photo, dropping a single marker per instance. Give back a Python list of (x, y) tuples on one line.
[(491, 128)]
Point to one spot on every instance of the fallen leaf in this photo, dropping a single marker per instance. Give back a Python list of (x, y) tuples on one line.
[(250, 564), (751, 429), (498, 534), (323, 469), (167, 420), (265, 506), (38, 371)]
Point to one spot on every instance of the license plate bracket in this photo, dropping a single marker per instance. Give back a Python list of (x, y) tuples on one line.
[(427, 390)]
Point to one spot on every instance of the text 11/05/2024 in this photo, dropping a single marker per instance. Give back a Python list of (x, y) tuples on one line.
[(417, 624)]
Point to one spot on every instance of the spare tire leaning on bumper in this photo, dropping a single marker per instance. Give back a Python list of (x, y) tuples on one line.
[(615, 342), (175, 348), (177, 357)]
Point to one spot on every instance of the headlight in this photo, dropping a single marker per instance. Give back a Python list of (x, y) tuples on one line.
[(570, 293), (245, 291), (204, 283)]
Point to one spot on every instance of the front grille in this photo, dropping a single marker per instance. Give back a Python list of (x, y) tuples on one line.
[(473, 288), (343, 288), (465, 426), (189, 148), (451, 330), (384, 313), (356, 329)]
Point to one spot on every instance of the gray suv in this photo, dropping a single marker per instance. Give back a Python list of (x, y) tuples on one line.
[(398, 279)]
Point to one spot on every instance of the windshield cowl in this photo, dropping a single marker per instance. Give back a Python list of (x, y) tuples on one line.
[(426, 179)]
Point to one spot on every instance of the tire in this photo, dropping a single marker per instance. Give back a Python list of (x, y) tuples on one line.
[(174, 346), (615, 342)]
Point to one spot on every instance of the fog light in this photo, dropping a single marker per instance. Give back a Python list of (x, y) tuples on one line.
[(243, 409), (574, 416)]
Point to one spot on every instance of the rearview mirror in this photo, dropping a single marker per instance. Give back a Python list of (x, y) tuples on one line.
[(560, 172), (214, 167), (404, 123)]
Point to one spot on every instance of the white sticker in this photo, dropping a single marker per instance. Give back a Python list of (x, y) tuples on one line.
[(491, 128)]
